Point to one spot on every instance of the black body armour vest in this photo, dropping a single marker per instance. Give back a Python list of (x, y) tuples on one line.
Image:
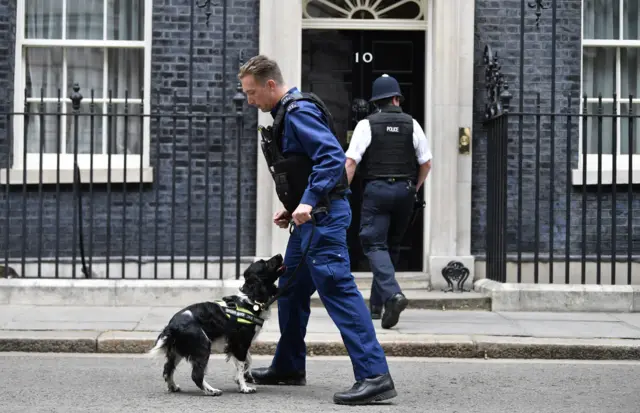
[(291, 172), (391, 153)]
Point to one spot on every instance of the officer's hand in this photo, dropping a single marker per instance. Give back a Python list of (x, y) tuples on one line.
[(281, 218), (302, 214)]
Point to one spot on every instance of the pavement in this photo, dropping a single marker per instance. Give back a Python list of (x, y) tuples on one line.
[(420, 333), (104, 383)]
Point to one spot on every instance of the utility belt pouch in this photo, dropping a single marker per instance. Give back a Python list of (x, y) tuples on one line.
[(269, 147), (291, 177)]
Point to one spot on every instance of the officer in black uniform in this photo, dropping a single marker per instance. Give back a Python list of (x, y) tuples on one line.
[(393, 155)]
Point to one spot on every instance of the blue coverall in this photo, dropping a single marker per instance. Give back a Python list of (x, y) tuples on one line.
[(328, 267)]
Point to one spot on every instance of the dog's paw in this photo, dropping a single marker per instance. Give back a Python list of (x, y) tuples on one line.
[(173, 388), (212, 392), (247, 390)]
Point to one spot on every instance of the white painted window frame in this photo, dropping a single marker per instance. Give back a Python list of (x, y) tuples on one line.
[(100, 161), (622, 161)]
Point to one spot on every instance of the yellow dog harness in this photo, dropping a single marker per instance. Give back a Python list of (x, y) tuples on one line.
[(239, 313)]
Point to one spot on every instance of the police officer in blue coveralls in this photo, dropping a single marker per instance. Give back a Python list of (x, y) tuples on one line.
[(306, 137), (389, 145)]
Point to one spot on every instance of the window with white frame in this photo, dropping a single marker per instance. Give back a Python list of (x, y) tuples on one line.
[(611, 64), (104, 47)]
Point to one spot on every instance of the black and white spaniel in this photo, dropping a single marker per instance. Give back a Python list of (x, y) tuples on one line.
[(230, 325)]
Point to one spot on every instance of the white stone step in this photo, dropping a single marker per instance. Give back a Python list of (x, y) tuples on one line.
[(432, 300), (407, 280)]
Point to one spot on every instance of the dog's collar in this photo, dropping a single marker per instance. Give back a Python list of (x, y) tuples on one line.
[(242, 314), (257, 307)]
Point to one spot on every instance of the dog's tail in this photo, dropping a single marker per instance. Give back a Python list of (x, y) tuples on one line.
[(159, 348), (165, 338)]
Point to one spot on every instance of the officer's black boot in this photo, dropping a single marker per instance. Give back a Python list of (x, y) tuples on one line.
[(268, 376), (374, 389), (392, 309)]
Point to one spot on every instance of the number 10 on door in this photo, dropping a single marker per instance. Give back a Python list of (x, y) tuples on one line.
[(366, 57)]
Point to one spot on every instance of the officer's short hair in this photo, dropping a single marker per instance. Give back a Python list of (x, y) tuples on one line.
[(262, 68), (384, 102)]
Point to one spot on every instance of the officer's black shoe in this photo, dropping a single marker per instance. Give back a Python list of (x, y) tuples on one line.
[(392, 309), (268, 376), (376, 311), (374, 389)]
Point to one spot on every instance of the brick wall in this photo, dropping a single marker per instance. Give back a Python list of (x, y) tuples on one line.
[(498, 25), (170, 73), (7, 44)]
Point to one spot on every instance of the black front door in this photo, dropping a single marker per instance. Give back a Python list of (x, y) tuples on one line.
[(340, 67)]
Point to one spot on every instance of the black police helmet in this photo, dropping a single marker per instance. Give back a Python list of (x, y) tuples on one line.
[(385, 87)]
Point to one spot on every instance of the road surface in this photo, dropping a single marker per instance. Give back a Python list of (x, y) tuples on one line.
[(69, 383)]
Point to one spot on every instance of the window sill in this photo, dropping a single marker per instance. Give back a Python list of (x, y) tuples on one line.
[(100, 176), (622, 177)]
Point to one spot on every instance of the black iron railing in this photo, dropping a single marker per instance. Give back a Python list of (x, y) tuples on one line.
[(84, 206), (130, 190), (562, 197), (570, 200)]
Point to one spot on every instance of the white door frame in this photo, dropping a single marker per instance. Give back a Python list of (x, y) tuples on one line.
[(449, 28)]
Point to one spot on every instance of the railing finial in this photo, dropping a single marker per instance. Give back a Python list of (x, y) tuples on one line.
[(497, 95)]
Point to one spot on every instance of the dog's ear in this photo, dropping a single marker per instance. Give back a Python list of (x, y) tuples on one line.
[(253, 268)]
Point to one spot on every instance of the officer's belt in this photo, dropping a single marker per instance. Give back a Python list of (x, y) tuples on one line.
[(242, 315), (390, 179)]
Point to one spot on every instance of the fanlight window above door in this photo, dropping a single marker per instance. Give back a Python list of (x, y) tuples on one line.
[(364, 9)]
